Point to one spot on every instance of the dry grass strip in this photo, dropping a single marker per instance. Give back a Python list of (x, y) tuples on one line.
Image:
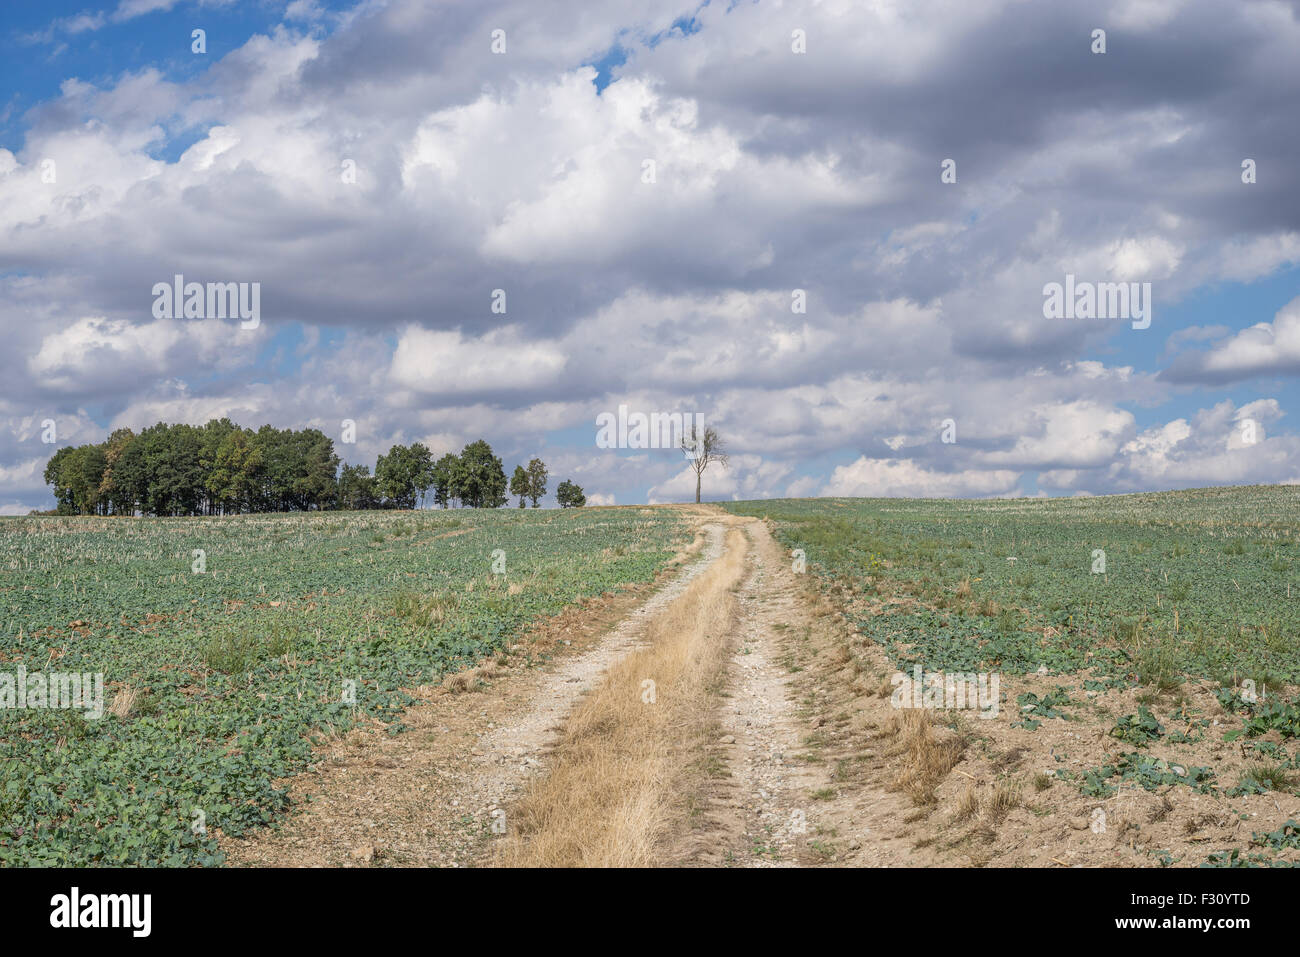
[(625, 764)]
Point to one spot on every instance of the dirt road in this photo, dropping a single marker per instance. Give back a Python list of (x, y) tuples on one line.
[(443, 793)]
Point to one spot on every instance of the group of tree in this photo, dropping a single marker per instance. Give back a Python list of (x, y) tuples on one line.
[(220, 468), (189, 470)]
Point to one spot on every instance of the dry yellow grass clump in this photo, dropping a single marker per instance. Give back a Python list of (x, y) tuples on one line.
[(925, 756), (621, 771), (472, 679)]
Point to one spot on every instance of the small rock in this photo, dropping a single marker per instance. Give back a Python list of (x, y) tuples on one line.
[(727, 739), (365, 853)]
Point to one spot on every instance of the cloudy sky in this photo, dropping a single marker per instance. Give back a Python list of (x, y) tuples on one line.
[(380, 168)]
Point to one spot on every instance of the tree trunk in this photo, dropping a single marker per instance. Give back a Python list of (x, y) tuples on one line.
[(697, 487)]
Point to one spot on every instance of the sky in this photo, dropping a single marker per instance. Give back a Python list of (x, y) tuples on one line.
[(828, 228)]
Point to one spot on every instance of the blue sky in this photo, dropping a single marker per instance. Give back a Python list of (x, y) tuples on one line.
[(33, 68)]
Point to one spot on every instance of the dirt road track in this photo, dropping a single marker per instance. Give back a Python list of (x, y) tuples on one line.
[(431, 796), (794, 791)]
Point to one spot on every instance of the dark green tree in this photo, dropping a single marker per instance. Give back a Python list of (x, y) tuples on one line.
[(58, 475), (357, 488), (422, 464), (394, 480), (171, 460), (129, 479), (234, 480), (536, 480), (519, 484), (315, 466), (404, 475), (482, 479), (83, 470), (273, 490), (117, 487), (570, 495), (446, 476), (213, 434)]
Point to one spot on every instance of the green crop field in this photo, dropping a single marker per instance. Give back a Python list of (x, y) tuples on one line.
[(238, 659), (1200, 583), (1141, 621)]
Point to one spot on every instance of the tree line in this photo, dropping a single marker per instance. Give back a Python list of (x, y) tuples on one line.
[(221, 468)]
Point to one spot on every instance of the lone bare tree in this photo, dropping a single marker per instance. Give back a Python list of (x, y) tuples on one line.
[(703, 449)]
